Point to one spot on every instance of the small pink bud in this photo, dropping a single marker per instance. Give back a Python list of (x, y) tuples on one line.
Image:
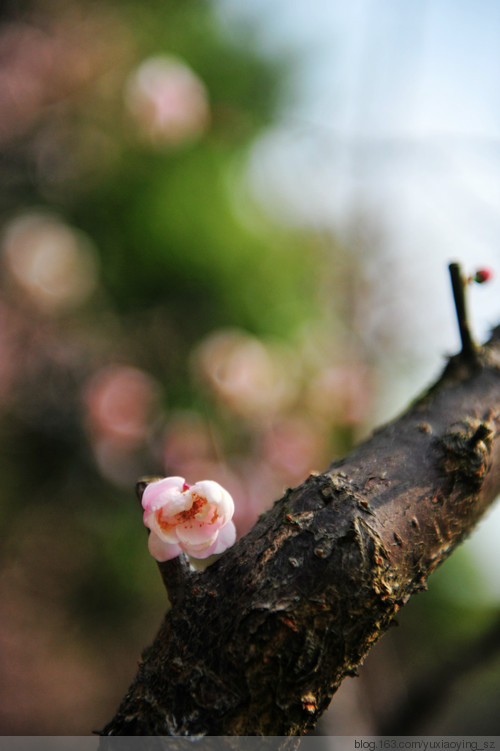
[(482, 275), (185, 487)]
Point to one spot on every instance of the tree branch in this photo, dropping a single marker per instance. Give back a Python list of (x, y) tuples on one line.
[(458, 285), (263, 637)]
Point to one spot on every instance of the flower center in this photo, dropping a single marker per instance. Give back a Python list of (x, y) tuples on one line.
[(184, 516)]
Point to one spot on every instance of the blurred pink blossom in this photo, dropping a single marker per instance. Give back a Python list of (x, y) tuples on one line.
[(342, 394), (293, 446), (259, 487), (195, 519), (40, 65), (249, 376), (167, 101), (188, 439), (120, 401), (53, 263)]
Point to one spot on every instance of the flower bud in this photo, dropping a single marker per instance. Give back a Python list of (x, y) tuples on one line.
[(482, 275)]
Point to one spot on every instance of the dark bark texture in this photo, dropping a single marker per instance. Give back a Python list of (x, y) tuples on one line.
[(258, 642)]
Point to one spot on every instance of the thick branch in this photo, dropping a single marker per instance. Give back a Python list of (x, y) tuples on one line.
[(263, 637)]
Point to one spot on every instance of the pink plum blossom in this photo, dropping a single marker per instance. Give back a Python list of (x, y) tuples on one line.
[(168, 101), (194, 519)]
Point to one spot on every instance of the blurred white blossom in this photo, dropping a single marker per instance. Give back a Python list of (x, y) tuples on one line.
[(250, 377), (120, 403), (53, 263), (168, 101)]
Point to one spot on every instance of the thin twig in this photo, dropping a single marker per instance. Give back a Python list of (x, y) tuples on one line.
[(469, 349)]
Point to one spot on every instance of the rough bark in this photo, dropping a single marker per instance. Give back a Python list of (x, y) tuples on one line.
[(258, 643)]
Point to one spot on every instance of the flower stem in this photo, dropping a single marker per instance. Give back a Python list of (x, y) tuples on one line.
[(176, 572)]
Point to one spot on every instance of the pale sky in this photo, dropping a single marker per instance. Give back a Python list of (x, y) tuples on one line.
[(394, 107)]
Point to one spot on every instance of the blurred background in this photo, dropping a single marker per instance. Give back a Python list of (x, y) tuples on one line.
[(225, 227)]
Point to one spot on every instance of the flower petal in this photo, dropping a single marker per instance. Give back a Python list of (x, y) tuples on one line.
[(197, 534), (225, 538), (217, 496), (205, 553), (166, 532), (153, 498), (162, 551)]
